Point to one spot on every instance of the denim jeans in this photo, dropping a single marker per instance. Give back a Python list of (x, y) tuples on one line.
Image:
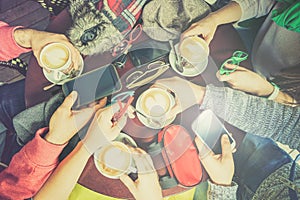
[(255, 159), (12, 102)]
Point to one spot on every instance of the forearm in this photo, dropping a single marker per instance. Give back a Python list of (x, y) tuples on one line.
[(9, 46), (23, 37), (230, 13), (255, 114), (63, 180), (29, 168)]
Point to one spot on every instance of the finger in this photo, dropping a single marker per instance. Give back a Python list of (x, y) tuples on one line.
[(130, 112), (120, 124), (224, 77), (237, 67), (81, 117), (226, 147), (100, 104), (143, 163), (128, 182), (203, 149), (70, 100)]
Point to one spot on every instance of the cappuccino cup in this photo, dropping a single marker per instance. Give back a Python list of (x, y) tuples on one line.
[(155, 104), (114, 160), (194, 52), (56, 57)]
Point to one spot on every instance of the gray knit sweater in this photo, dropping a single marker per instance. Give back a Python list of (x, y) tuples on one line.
[(261, 117)]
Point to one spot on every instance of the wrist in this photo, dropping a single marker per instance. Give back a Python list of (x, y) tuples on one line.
[(23, 37), (53, 139), (199, 92), (275, 92), (266, 91)]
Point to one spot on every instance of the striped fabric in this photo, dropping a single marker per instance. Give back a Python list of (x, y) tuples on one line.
[(124, 13)]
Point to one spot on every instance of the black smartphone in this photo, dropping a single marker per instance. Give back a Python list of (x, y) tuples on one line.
[(209, 128), (147, 52), (93, 85)]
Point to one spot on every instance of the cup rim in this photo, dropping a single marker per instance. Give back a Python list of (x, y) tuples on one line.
[(64, 66), (100, 169)]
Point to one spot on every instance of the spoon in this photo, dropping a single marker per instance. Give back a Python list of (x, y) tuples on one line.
[(177, 57), (73, 74), (150, 121)]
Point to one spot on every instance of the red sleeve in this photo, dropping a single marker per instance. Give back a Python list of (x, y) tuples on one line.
[(29, 168), (9, 49)]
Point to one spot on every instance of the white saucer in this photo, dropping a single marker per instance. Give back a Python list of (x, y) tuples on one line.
[(188, 72), (145, 121), (50, 75)]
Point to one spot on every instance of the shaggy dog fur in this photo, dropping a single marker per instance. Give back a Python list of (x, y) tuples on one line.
[(85, 16)]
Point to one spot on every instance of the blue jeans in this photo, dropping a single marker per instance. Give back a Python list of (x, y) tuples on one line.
[(255, 159), (12, 102)]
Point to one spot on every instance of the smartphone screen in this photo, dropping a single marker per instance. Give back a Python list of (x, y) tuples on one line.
[(93, 85), (209, 128)]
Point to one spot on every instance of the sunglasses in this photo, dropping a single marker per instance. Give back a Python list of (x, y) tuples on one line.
[(125, 44), (236, 58)]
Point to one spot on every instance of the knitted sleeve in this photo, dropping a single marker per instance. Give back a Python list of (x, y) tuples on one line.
[(255, 114), (216, 192), (254, 8)]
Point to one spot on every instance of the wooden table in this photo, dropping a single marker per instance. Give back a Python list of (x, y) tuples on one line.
[(226, 41)]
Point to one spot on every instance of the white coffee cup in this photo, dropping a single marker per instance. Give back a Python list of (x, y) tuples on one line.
[(56, 57), (114, 160), (194, 51), (155, 104)]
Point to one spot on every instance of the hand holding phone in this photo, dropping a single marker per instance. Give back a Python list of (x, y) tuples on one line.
[(209, 129)]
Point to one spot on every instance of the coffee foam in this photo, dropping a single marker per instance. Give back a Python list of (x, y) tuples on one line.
[(55, 56), (193, 50), (114, 160), (155, 103)]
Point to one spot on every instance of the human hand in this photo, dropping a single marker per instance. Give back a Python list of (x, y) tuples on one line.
[(205, 27), (102, 130), (146, 187), (186, 93), (64, 123), (220, 168), (247, 81), (36, 40)]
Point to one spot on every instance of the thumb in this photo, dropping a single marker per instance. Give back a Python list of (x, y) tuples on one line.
[(81, 117), (226, 147), (128, 182), (70, 100), (224, 77)]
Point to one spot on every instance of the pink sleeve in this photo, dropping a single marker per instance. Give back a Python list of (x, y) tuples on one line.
[(29, 168), (9, 48)]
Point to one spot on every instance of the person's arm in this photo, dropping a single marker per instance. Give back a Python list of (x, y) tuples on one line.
[(255, 114), (17, 40), (248, 81), (63, 180), (249, 113), (9, 47), (31, 167), (220, 168), (208, 25)]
